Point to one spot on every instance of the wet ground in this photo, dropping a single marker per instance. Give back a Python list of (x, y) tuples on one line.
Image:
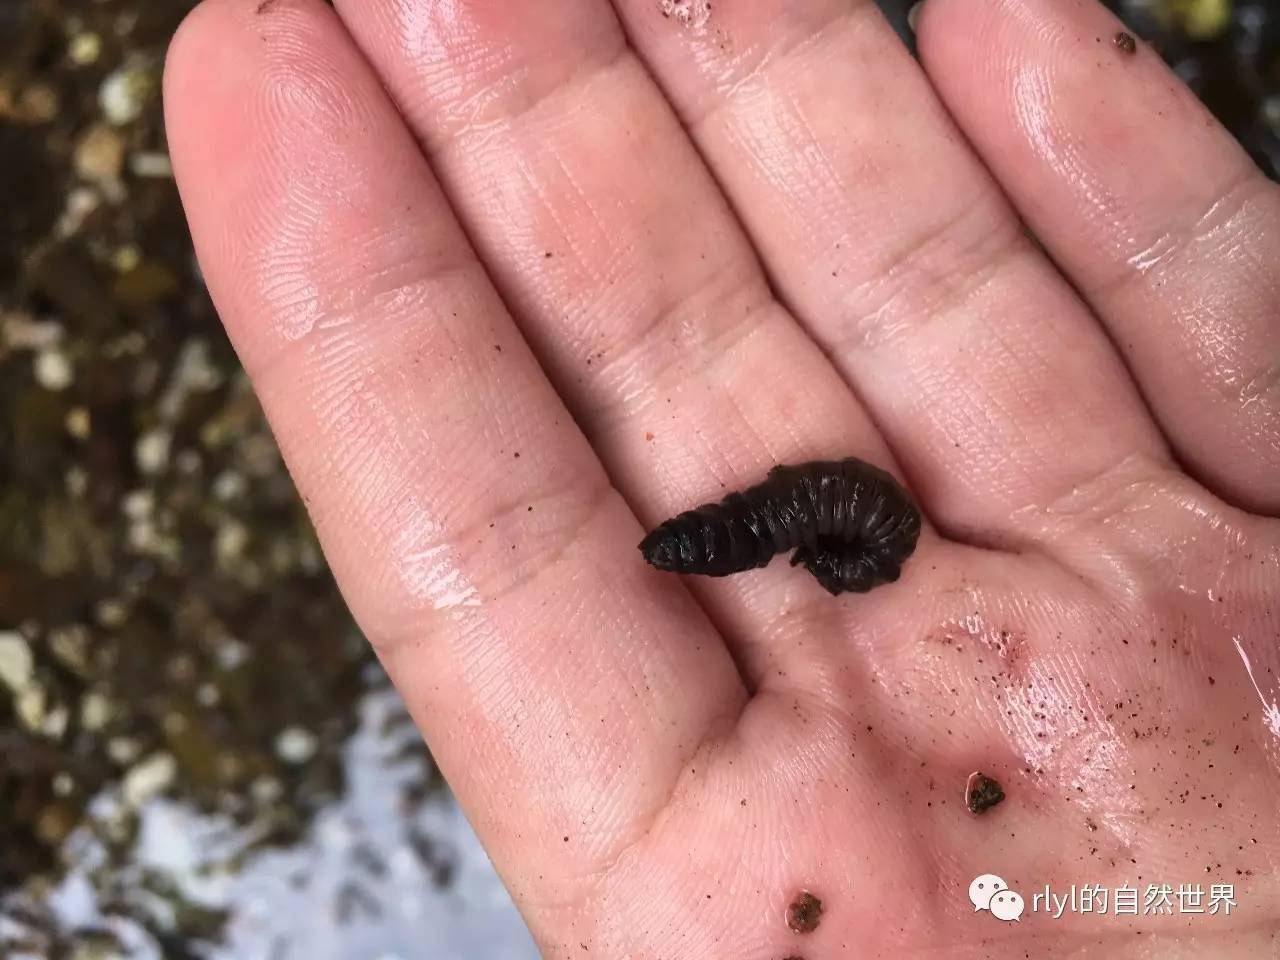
[(198, 756)]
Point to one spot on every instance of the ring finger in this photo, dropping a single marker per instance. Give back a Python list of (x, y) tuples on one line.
[(897, 250)]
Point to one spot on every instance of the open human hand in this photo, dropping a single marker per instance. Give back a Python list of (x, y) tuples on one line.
[(518, 280)]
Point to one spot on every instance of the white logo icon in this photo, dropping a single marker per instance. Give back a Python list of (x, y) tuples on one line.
[(983, 889), (1007, 905), (989, 892)]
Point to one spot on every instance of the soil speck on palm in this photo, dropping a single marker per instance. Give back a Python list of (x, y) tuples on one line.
[(805, 913), (981, 793)]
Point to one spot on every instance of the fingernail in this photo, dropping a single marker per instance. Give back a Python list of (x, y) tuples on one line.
[(913, 14)]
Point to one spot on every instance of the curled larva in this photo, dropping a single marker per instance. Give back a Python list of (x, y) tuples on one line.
[(850, 524)]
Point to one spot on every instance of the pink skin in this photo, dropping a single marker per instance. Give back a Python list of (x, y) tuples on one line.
[(498, 270)]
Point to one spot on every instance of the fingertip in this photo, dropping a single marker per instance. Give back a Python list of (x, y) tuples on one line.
[(203, 67), (197, 46), (913, 16), (187, 39), (223, 49), (266, 102), (947, 31), (195, 79), (189, 36)]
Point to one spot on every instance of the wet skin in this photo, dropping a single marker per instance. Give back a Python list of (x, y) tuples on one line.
[(515, 286)]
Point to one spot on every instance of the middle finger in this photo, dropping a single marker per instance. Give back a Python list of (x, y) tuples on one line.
[(618, 254)]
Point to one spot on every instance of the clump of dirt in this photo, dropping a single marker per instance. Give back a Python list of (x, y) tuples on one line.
[(805, 913), (981, 793), (1228, 53)]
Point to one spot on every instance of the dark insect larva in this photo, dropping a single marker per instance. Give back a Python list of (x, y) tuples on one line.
[(850, 523)]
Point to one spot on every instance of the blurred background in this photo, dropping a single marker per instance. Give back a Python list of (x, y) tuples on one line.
[(199, 758)]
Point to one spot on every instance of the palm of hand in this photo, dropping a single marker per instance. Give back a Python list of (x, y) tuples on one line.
[(1100, 678), (659, 767)]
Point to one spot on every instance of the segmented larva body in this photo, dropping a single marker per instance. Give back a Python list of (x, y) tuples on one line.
[(850, 524)]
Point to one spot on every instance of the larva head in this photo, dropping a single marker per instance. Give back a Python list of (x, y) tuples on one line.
[(661, 549)]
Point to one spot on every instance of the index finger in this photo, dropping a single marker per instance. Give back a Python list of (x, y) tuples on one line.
[(470, 526)]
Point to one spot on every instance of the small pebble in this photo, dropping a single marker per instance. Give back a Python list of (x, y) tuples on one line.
[(174, 724), (85, 49), (231, 653), (230, 542), (55, 723), (81, 202), (151, 165), (229, 485), (77, 481), (296, 745), (99, 154), (148, 779), (123, 750), (266, 790), (78, 423), (1271, 110), (38, 103), (152, 451), (124, 93), (70, 644), (111, 613), (17, 665), (126, 258), (139, 505), (29, 705), (95, 711), (193, 372), (20, 331), (1206, 19), (53, 370)]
